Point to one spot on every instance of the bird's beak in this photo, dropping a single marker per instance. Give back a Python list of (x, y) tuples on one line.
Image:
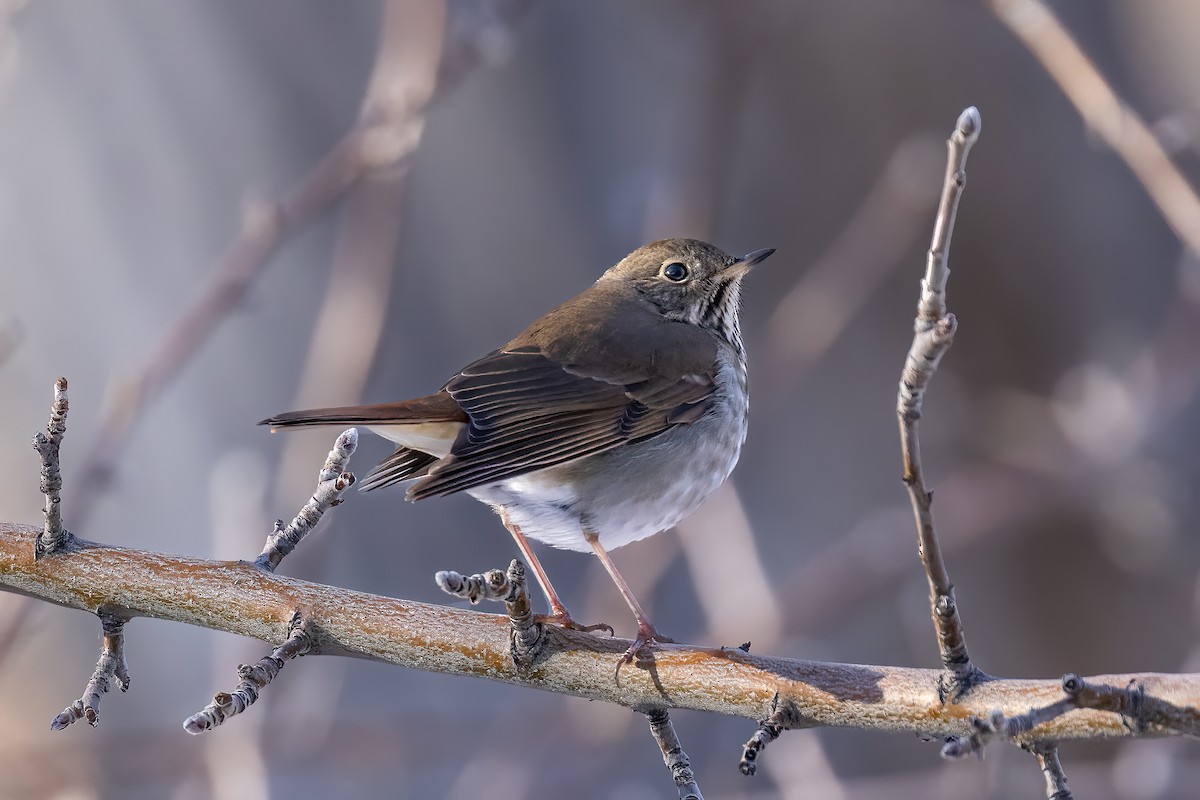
[(743, 264), (752, 258)]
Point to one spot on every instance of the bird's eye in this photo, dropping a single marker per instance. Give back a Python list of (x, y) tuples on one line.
[(675, 272)]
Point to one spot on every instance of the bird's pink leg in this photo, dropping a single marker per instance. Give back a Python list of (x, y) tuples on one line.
[(558, 612), (646, 631)]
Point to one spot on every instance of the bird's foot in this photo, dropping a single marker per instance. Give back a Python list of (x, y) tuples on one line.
[(563, 619), (647, 636)]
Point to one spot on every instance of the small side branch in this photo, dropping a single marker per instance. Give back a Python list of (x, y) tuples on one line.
[(526, 634), (54, 537), (768, 731), (332, 482), (1141, 712), (110, 667), (1046, 754), (934, 330), (673, 755), (253, 680)]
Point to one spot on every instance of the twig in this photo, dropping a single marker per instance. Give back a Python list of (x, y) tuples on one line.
[(355, 302), (933, 334), (1046, 754), (996, 725), (54, 536), (332, 482), (253, 680), (526, 636), (383, 138), (673, 755), (111, 666), (768, 731), (826, 298), (1104, 112), (1141, 712)]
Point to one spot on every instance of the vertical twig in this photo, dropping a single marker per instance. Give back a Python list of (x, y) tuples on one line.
[(933, 334), (1046, 754), (673, 755), (54, 535), (1104, 112)]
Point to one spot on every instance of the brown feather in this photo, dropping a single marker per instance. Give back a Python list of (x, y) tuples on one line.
[(438, 407)]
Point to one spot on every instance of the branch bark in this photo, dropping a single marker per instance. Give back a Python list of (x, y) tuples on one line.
[(239, 598)]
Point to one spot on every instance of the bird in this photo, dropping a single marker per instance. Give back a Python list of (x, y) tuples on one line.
[(607, 420)]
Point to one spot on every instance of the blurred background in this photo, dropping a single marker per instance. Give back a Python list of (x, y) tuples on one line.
[(140, 139)]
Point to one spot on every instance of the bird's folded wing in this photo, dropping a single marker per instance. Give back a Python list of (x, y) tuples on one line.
[(528, 411)]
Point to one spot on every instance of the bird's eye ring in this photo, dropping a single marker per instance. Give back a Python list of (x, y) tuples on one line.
[(675, 272)]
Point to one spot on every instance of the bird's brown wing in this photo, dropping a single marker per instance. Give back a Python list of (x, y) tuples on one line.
[(535, 404)]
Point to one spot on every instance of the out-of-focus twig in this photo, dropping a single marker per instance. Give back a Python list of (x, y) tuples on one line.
[(828, 295), (934, 332), (1105, 113), (383, 138), (11, 334), (354, 307)]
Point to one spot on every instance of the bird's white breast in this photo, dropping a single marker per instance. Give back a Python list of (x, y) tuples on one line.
[(636, 490)]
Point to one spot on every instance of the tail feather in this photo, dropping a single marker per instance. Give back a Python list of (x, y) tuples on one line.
[(405, 464), (438, 407)]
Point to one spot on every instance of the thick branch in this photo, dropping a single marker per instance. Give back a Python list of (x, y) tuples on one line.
[(239, 598)]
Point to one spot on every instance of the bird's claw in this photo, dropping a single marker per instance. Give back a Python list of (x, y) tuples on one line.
[(646, 637), (564, 620)]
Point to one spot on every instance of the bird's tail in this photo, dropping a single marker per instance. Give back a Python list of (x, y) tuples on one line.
[(434, 408)]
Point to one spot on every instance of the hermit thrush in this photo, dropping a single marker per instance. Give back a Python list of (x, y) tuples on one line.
[(609, 419)]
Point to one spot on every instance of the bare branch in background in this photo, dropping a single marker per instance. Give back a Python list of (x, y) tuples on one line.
[(383, 138), (830, 293), (11, 334), (1054, 48), (354, 307)]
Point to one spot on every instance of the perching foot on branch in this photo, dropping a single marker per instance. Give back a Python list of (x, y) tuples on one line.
[(110, 667)]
